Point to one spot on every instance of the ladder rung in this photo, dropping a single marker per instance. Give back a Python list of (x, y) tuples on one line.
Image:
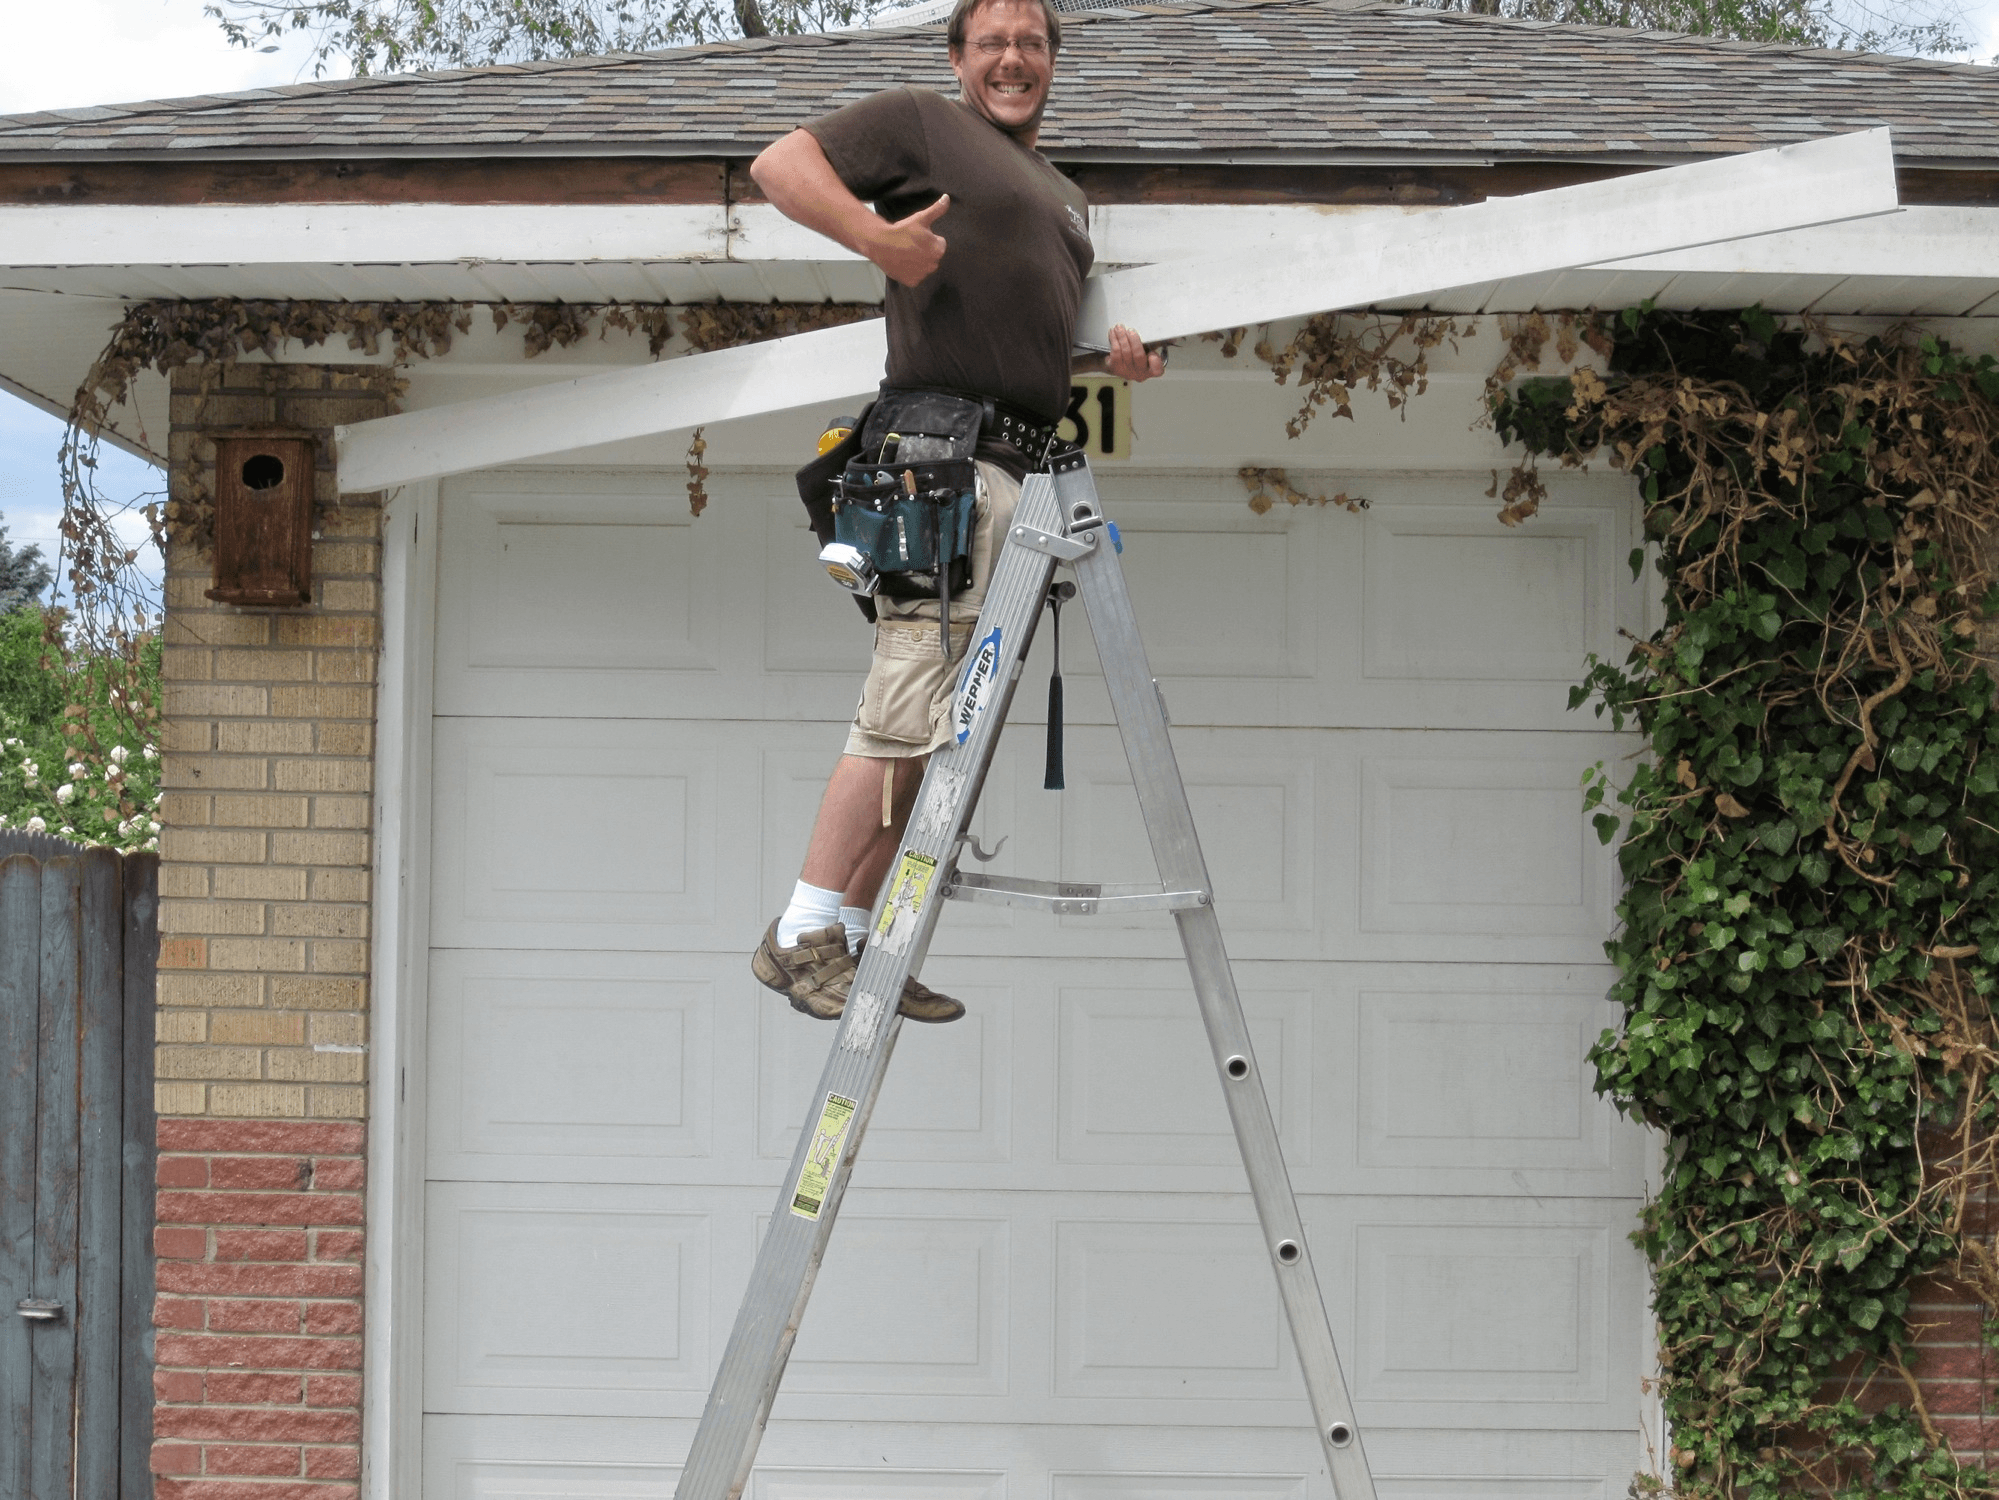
[(1067, 898)]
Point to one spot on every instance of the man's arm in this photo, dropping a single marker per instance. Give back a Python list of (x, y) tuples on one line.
[(795, 175), (1128, 358)]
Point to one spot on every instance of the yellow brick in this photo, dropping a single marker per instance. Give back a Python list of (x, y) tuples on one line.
[(257, 1028), (260, 883), (342, 812), (187, 664), (267, 665), (187, 881), (352, 520), (210, 989), (319, 848), (350, 1027), (362, 558), (265, 738), (320, 993), (191, 735), (185, 593), (215, 772), (267, 955), (211, 627), (186, 810), (344, 666), (238, 918), (349, 594), (326, 630), (347, 739), (323, 776), (331, 957), (322, 702), (237, 811), (330, 1103), (208, 1062), (180, 1098), (299, 1066), (298, 919), (339, 885), (203, 846), (193, 701), (186, 1026), (257, 1101)]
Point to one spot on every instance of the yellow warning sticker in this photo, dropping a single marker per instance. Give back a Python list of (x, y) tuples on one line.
[(906, 894), (822, 1157)]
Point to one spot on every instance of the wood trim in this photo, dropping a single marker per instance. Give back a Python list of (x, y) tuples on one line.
[(702, 180)]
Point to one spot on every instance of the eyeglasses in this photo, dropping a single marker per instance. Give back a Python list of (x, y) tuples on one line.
[(1027, 46)]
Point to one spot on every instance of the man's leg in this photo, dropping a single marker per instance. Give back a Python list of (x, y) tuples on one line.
[(851, 850)]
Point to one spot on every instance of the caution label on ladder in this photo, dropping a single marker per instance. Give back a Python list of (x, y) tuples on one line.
[(822, 1157), (906, 895)]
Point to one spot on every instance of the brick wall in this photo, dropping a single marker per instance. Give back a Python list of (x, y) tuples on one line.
[(262, 1063)]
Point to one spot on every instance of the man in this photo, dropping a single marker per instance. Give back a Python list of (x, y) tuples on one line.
[(985, 247)]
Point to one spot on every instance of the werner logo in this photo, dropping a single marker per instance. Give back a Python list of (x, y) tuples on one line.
[(977, 687)]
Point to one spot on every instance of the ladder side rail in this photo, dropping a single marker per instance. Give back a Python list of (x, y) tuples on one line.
[(1169, 825), (752, 1365)]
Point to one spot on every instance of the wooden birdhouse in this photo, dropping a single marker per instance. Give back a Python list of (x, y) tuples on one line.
[(263, 519)]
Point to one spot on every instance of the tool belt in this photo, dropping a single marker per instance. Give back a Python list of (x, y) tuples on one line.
[(895, 504)]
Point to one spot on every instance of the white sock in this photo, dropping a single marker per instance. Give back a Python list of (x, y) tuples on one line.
[(855, 920), (812, 907)]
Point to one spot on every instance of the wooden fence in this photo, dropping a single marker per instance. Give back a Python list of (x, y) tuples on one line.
[(79, 939)]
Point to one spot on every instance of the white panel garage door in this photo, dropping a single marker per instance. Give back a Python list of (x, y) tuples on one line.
[(1047, 1284)]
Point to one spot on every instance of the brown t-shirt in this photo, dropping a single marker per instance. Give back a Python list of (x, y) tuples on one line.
[(997, 317)]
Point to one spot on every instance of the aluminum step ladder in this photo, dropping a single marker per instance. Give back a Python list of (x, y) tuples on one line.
[(1058, 522)]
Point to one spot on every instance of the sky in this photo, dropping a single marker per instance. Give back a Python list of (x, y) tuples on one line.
[(113, 51)]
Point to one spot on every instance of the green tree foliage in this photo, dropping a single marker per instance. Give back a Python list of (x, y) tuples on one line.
[(1809, 939), (1920, 28), (392, 36), (24, 576), (63, 768)]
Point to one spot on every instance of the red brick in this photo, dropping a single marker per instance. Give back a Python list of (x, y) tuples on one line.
[(1949, 1362), (333, 1463), (337, 1244), (202, 1351), (175, 1458), (177, 1312), (283, 1174), (230, 1388), (180, 1244), (209, 1279), (281, 1246), (182, 1172), (1954, 1397), (332, 1317), (1968, 1434), (298, 1137), (257, 1424), (347, 1173), (260, 1208), (268, 1461), (236, 1489), (332, 1390), (252, 1315), (1955, 1325), (177, 1385)]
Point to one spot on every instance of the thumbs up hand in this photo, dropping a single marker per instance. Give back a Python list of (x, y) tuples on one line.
[(909, 249)]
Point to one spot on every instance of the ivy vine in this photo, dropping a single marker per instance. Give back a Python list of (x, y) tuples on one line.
[(1809, 932)]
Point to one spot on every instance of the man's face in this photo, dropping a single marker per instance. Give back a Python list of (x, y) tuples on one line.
[(1008, 84)]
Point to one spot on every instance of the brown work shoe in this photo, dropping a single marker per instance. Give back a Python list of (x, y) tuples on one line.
[(921, 1003), (814, 973)]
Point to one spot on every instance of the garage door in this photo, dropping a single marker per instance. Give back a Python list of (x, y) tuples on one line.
[(1047, 1281)]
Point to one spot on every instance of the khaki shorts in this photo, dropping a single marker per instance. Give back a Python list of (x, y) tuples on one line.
[(905, 705)]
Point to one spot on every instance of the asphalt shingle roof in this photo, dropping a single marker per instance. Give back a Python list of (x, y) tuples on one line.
[(1238, 79)]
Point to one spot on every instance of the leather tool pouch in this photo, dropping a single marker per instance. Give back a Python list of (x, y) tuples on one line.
[(909, 499)]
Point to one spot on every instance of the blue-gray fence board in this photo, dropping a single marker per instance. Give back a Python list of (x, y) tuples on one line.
[(52, 1409), (78, 955), (20, 1016)]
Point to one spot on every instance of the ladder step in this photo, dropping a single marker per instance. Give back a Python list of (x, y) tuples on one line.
[(1068, 898)]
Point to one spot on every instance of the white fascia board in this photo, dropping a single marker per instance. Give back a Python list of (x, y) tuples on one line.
[(1364, 262), (1927, 241), (102, 234), (1345, 263)]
